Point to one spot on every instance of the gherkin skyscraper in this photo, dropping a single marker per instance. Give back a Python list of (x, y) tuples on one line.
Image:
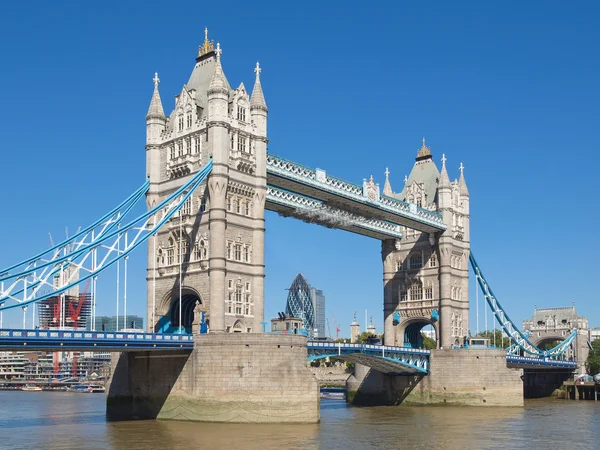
[(300, 303)]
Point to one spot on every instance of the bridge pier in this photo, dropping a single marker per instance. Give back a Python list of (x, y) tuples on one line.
[(459, 377), (226, 378)]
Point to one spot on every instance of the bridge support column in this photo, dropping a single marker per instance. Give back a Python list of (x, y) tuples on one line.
[(226, 378), (389, 303)]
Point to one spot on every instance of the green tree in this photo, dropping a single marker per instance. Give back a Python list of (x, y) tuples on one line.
[(549, 345), (428, 343), (500, 340), (592, 364)]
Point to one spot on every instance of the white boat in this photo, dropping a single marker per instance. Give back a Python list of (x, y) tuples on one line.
[(30, 388), (88, 388)]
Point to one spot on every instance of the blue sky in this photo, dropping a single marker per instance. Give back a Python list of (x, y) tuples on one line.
[(509, 89)]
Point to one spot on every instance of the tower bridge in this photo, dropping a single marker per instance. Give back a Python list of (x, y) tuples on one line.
[(210, 180)]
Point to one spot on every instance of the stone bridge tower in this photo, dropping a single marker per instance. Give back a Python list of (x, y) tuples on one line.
[(426, 276), (220, 230)]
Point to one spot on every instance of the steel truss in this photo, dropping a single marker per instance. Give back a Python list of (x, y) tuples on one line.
[(520, 340), (384, 358), (89, 252)]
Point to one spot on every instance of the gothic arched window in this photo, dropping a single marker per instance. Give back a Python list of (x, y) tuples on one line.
[(416, 261)]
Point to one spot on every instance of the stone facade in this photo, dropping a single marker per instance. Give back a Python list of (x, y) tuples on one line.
[(426, 277), (218, 237), (226, 378)]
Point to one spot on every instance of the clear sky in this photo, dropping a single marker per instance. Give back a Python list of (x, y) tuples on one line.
[(510, 89)]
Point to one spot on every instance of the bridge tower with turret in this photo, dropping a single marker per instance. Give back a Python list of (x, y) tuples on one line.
[(208, 263), (426, 275)]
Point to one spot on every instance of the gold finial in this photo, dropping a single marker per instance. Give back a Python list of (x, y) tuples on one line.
[(207, 46), (424, 151)]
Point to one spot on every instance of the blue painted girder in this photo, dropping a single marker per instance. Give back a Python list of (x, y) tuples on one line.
[(69, 340), (383, 358)]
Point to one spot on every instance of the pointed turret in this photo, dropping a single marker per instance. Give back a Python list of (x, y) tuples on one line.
[(444, 187), (218, 83), (155, 111), (444, 178), (462, 184), (387, 187), (257, 100)]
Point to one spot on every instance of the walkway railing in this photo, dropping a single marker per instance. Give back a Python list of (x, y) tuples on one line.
[(320, 180), (66, 340)]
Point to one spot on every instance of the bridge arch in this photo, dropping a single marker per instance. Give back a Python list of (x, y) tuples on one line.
[(410, 331), (191, 306), (546, 339)]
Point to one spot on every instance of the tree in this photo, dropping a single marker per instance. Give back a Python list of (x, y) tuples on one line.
[(500, 339), (592, 364), (428, 343)]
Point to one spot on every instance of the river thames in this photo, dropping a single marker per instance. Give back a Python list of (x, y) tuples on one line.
[(61, 420)]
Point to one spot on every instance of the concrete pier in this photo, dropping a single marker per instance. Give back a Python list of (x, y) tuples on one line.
[(457, 377), (256, 378)]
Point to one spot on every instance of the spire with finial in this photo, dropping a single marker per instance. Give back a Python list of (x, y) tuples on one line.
[(387, 187), (156, 109), (444, 178), (461, 182), (424, 152), (207, 47), (218, 83), (257, 101)]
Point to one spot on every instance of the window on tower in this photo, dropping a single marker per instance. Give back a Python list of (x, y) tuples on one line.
[(197, 144), (241, 144), (416, 291), (416, 261), (189, 120), (433, 260), (241, 113), (180, 123)]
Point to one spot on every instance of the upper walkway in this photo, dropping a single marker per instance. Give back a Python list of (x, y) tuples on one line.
[(314, 196)]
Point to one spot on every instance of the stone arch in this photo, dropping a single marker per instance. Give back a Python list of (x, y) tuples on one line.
[(238, 327), (191, 303), (539, 341), (410, 331)]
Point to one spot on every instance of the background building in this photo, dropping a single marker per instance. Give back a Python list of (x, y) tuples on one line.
[(109, 323), (300, 303), (319, 307), (68, 311)]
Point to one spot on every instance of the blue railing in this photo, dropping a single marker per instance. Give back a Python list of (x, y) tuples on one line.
[(92, 340)]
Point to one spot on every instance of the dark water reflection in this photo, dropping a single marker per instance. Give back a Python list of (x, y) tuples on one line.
[(76, 421)]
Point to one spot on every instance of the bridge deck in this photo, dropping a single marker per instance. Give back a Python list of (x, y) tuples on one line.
[(49, 340)]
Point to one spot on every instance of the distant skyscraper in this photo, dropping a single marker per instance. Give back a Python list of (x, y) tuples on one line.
[(319, 306), (300, 303)]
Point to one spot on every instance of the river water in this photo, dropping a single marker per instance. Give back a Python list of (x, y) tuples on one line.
[(62, 420)]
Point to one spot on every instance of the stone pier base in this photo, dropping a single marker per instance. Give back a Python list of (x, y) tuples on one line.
[(256, 378), (457, 377)]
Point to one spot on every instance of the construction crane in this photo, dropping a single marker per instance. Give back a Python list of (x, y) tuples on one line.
[(337, 327)]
